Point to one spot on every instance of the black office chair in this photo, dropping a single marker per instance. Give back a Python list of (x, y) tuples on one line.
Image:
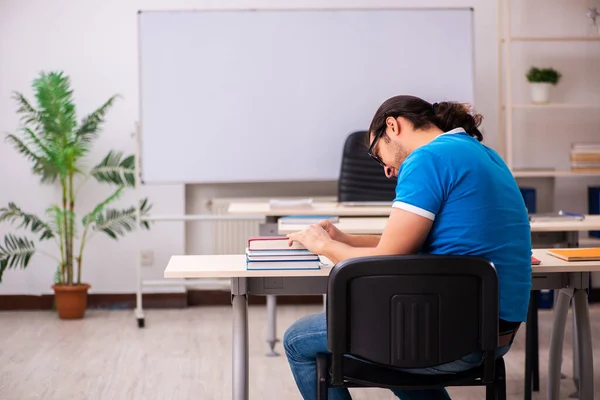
[(411, 311), (361, 177)]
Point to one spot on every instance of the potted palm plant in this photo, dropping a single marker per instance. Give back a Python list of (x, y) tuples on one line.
[(541, 80), (57, 145)]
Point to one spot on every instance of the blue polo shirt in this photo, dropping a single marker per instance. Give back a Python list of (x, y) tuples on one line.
[(476, 207)]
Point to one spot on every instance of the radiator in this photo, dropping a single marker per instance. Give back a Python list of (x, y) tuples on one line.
[(231, 236)]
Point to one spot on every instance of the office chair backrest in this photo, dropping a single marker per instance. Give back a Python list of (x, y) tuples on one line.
[(361, 177), (412, 311)]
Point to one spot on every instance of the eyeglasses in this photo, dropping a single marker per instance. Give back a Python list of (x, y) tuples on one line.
[(372, 146)]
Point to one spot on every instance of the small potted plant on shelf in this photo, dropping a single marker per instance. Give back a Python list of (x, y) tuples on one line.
[(541, 79), (57, 146)]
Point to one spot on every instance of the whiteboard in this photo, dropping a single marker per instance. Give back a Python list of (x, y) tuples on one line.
[(270, 96)]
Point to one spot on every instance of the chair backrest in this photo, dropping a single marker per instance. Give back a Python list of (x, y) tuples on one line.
[(412, 311), (361, 177)]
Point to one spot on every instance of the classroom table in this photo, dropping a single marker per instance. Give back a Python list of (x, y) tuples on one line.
[(269, 228), (376, 225), (316, 208), (571, 279)]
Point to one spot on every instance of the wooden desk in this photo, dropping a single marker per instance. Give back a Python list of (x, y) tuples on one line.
[(571, 278), (376, 225), (321, 208), (269, 228)]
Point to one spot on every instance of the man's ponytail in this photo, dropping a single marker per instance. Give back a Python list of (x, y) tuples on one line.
[(449, 115)]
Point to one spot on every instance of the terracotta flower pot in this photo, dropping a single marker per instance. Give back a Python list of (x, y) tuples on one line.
[(71, 300)]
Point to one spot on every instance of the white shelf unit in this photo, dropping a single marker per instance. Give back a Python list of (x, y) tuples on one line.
[(506, 105)]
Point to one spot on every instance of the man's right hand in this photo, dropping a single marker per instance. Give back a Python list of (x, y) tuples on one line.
[(333, 231)]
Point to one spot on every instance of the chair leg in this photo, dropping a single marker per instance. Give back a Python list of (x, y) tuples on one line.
[(535, 351), (497, 390), (500, 379), (490, 392), (530, 345), (322, 376)]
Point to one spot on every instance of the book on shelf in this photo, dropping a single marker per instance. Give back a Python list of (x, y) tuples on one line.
[(576, 254), (308, 219), (584, 158), (586, 170), (585, 147)]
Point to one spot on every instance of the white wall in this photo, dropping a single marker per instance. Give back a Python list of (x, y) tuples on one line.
[(96, 44)]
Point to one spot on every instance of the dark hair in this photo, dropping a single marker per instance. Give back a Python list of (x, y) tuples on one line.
[(422, 114)]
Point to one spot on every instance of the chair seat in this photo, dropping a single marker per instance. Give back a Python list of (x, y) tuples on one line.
[(360, 373)]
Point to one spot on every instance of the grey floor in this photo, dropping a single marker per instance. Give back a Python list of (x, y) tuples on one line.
[(186, 354)]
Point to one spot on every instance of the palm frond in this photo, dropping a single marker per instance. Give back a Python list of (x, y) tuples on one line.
[(29, 114), (100, 207), (91, 124), (13, 213), (50, 151), (118, 222), (116, 169), (16, 252), (41, 165), (56, 106), (34, 141)]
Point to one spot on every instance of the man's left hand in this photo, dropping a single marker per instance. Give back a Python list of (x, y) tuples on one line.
[(314, 238)]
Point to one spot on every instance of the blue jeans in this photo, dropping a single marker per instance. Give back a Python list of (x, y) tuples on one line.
[(308, 336)]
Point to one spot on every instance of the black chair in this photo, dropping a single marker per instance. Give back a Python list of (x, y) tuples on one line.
[(361, 177), (413, 311)]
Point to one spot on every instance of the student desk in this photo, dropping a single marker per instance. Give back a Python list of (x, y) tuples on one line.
[(376, 225), (317, 208), (269, 228), (571, 278)]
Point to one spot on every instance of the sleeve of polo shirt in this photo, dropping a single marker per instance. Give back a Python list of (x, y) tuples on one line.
[(423, 183)]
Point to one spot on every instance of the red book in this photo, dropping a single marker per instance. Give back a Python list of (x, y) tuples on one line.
[(535, 261), (273, 243)]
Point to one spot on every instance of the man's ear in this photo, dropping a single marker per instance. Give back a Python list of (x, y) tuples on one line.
[(393, 126)]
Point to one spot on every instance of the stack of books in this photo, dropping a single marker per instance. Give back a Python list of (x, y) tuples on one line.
[(273, 252), (585, 157)]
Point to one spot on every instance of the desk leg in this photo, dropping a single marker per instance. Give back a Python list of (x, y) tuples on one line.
[(269, 228), (573, 241), (584, 342), (557, 336), (239, 352), (575, 395), (272, 325)]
